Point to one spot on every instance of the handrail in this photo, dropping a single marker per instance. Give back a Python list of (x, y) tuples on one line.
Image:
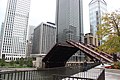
[(86, 51), (100, 75), (94, 52), (101, 52)]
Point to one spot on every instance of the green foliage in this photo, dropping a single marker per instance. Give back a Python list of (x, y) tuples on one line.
[(109, 32), (17, 61), (12, 63), (2, 62), (29, 62), (116, 65), (21, 63), (25, 62)]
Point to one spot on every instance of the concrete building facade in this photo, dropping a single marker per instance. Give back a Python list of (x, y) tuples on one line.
[(30, 40), (15, 29), (89, 38), (44, 39), (1, 33)]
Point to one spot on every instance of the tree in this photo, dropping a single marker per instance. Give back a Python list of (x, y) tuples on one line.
[(17, 61), (109, 32), (2, 62), (29, 62), (12, 63), (21, 63)]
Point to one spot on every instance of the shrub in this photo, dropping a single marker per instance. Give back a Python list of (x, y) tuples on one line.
[(116, 65)]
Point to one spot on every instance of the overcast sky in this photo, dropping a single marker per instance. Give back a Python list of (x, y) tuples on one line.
[(44, 10)]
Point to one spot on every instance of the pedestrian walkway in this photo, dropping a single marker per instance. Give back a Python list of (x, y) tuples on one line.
[(90, 74), (112, 74)]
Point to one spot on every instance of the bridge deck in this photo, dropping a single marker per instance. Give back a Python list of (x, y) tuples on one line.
[(59, 55)]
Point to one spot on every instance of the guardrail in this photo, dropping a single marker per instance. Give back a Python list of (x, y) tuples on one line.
[(43, 74), (82, 76), (63, 77), (19, 75)]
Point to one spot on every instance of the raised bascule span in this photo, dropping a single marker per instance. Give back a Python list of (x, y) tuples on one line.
[(60, 54), (101, 52), (92, 51)]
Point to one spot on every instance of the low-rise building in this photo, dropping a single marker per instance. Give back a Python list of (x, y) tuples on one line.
[(89, 38)]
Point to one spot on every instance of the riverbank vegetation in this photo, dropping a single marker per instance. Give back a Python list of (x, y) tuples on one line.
[(116, 65), (20, 63)]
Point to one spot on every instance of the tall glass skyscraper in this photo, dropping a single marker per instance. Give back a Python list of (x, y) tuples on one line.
[(69, 20), (96, 9), (15, 29)]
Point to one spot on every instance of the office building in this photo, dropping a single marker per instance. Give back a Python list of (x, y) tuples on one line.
[(31, 32), (44, 39), (2, 29), (69, 21), (15, 29), (1, 33), (30, 40), (96, 9), (89, 38)]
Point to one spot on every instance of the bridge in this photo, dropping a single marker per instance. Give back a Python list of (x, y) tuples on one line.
[(59, 54), (58, 57), (60, 73)]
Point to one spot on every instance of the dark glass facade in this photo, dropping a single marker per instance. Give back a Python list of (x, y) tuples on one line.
[(69, 21)]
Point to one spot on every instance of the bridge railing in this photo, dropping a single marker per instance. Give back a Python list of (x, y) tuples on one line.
[(43, 74), (63, 77), (18, 75), (82, 76), (89, 64)]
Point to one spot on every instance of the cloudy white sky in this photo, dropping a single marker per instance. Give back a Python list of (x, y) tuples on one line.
[(44, 10)]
